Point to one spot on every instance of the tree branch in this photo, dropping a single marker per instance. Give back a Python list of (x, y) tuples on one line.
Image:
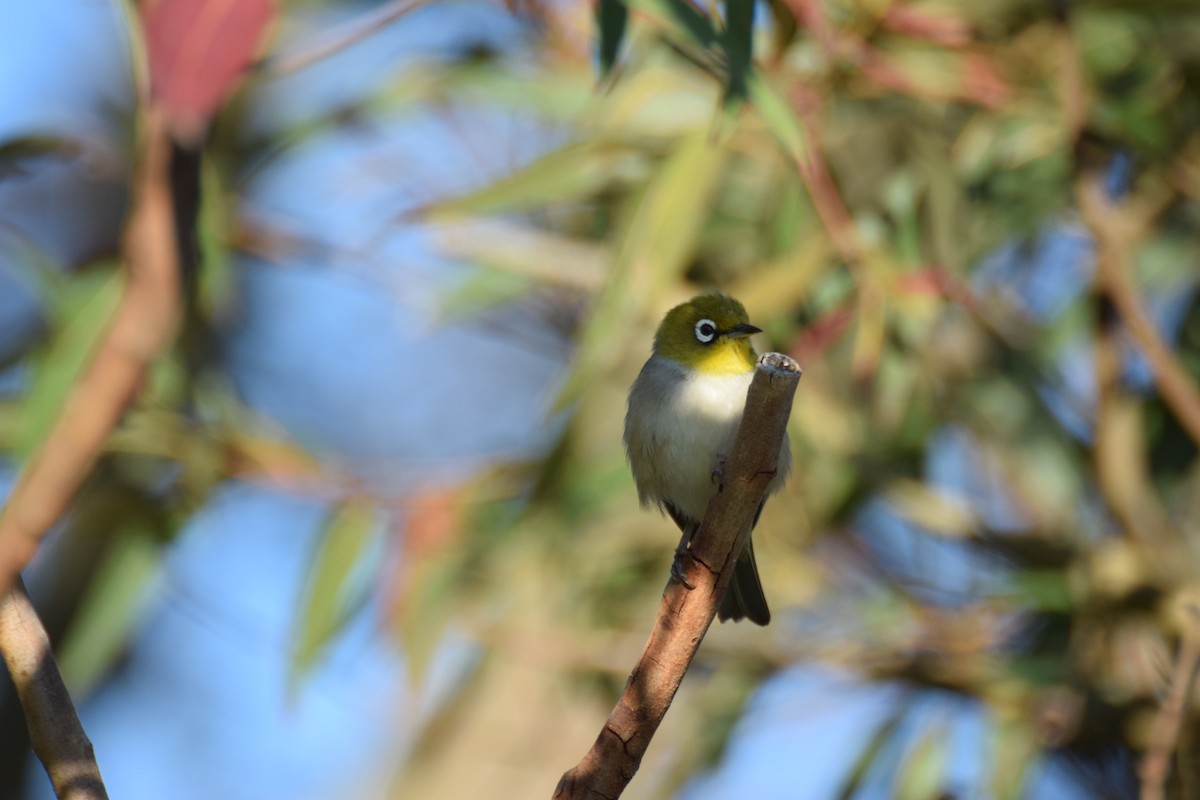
[(685, 614), (1118, 229), (339, 39), (143, 324), (1164, 736), (58, 738)]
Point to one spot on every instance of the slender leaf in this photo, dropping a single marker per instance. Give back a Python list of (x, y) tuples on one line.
[(785, 26), (217, 285), (573, 173), (1014, 749), (921, 775), (108, 616), (657, 244), (611, 19), (18, 155), (875, 744), (86, 306), (332, 595), (778, 116), (434, 584), (739, 44), (685, 17)]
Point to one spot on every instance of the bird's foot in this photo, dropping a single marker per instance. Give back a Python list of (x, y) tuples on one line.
[(677, 572), (718, 473)]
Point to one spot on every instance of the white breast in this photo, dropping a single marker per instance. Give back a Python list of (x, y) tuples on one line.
[(679, 425)]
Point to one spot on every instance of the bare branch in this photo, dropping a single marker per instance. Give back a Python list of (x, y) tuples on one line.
[(1118, 228), (1164, 736), (58, 738), (340, 39), (685, 614), (143, 324)]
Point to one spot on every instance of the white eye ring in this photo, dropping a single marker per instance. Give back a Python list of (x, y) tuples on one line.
[(706, 331)]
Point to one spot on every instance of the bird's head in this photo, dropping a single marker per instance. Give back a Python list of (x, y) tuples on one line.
[(710, 334)]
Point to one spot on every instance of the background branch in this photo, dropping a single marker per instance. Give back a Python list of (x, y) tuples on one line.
[(1118, 228), (54, 730), (338, 40), (1164, 736), (685, 615), (143, 324)]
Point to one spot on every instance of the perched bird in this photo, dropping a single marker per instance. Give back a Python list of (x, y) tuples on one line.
[(684, 411)]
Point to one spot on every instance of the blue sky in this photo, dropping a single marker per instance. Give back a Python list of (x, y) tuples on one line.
[(345, 350)]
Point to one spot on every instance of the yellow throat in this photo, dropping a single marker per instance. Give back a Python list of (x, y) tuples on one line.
[(708, 334)]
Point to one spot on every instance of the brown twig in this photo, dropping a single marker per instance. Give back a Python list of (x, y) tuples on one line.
[(58, 739), (143, 324), (826, 199), (1117, 229), (338, 40), (685, 614), (1156, 764)]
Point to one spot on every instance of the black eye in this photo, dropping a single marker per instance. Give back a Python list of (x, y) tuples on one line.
[(706, 331)]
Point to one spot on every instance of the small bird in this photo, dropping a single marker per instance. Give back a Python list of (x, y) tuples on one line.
[(684, 411)]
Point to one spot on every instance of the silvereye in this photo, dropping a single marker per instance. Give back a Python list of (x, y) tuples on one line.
[(684, 411)]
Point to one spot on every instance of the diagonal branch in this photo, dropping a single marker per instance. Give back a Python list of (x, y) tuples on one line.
[(1164, 735), (685, 614), (1117, 228), (54, 730), (339, 39), (143, 324)]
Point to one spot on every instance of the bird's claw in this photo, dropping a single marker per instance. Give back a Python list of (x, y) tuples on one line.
[(718, 472), (677, 572)]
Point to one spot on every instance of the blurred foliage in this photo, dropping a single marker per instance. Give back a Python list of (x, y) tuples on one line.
[(882, 184), (859, 184)]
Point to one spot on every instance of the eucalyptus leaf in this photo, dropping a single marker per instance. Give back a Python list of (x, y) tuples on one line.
[(86, 306), (332, 594)]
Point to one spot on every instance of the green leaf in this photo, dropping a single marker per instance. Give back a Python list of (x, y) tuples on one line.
[(777, 115), (739, 44), (332, 594), (108, 615), (874, 745), (611, 19), (659, 243), (686, 18), (216, 283), (576, 172), (85, 306), (434, 581), (1045, 590), (921, 775), (659, 238), (17, 155), (1014, 748), (785, 26)]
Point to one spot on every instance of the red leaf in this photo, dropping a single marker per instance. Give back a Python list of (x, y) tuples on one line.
[(941, 28), (822, 333), (198, 50)]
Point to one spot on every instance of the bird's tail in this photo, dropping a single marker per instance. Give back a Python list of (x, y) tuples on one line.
[(744, 599)]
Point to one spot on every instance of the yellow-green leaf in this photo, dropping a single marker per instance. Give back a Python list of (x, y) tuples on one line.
[(611, 19), (921, 775), (87, 305), (931, 509), (331, 594), (575, 172), (429, 598), (217, 284), (777, 115), (108, 615), (686, 19), (657, 243)]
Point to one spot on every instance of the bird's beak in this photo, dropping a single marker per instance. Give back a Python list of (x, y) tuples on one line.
[(742, 331)]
